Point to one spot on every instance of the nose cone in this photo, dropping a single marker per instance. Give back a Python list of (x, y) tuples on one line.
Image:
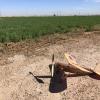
[(58, 82)]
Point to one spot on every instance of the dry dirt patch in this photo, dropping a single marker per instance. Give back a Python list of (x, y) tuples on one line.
[(17, 84)]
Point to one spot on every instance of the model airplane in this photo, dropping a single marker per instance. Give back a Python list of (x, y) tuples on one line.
[(74, 67), (58, 76)]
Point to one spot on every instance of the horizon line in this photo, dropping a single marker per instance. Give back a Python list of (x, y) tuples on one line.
[(51, 15)]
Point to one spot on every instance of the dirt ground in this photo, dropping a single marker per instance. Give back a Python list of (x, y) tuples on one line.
[(18, 59)]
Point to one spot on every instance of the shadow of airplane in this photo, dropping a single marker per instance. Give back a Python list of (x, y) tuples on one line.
[(58, 82)]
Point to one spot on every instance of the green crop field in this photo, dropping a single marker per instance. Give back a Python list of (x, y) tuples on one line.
[(13, 29)]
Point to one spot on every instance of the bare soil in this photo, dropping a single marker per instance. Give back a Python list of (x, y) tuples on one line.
[(18, 59)]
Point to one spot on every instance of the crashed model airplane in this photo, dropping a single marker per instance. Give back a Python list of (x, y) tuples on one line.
[(74, 67), (58, 76)]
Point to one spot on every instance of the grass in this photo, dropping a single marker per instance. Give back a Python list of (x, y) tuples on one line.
[(13, 29)]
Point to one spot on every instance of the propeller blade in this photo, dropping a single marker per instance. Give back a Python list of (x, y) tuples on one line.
[(52, 69)]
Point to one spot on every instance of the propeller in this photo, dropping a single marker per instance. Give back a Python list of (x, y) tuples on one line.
[(52, 68)]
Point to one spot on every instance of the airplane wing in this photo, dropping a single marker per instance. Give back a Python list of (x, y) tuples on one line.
[(75, 66)]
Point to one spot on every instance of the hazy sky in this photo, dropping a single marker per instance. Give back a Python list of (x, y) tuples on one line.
[(45, 7)]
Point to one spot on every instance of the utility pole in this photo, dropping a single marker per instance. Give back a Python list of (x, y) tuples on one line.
[(0, 13)]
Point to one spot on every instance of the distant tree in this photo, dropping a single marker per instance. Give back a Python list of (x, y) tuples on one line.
[(54, 14)]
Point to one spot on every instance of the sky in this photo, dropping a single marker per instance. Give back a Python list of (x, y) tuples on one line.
[(48, 7)]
